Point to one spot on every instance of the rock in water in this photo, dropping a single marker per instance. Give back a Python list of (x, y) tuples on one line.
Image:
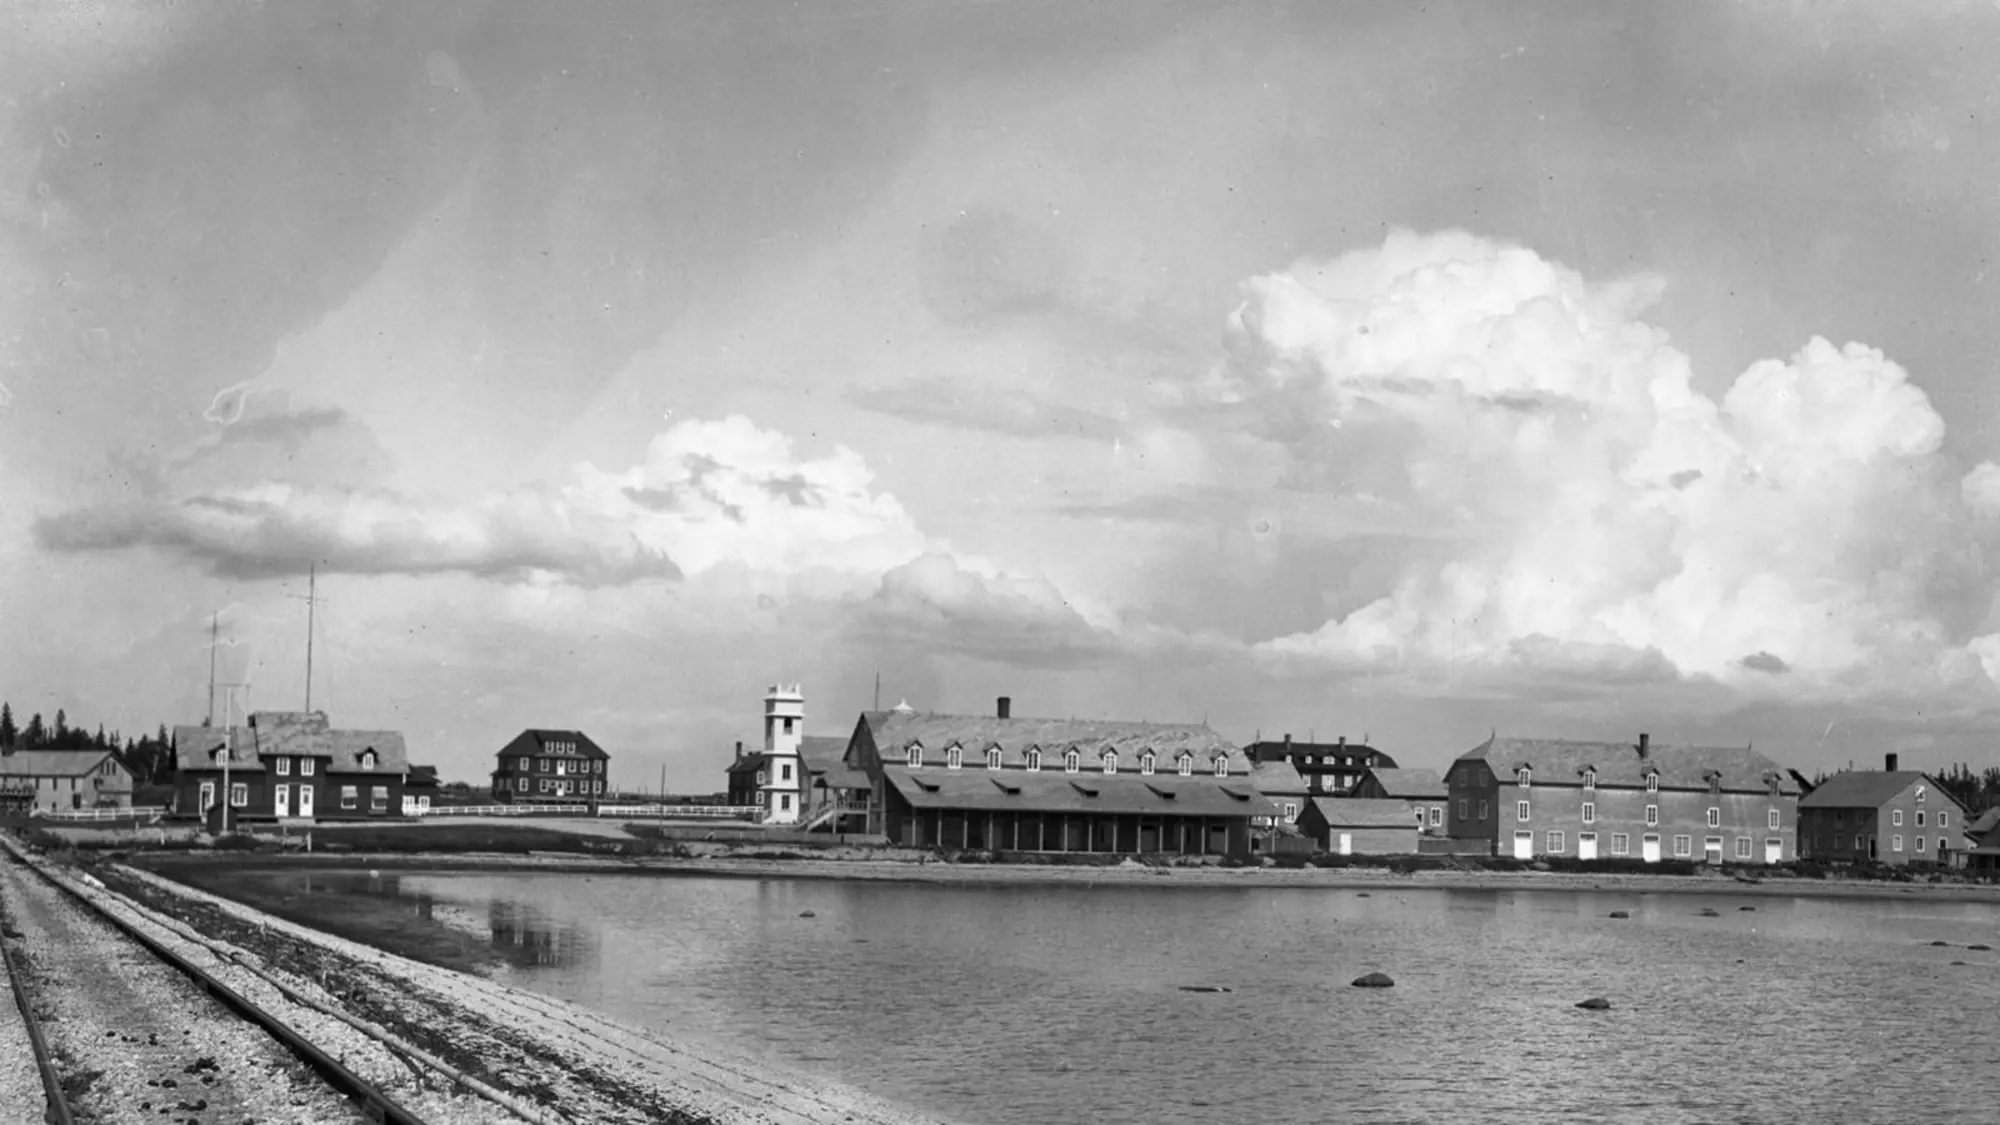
[(1940, 943), (1621, 914), (1746, 908), (1595, 1004), (1707, 913), (807, 914), (1374, 980), (1203, 988), (1979, 948)]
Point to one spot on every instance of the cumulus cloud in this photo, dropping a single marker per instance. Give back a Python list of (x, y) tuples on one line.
[(1601, 504), (1008, 617)]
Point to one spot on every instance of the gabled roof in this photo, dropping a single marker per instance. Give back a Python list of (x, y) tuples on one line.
[(1278, 751), (53, 763), (290, 734), (1619, 763), (1411, 784), (822, 752), (534, 739), (1012, 738), (1985, 824), (747, 763), (1278, 779), (1058, 792), (421, 777), (1364, 812), (1869, 789)]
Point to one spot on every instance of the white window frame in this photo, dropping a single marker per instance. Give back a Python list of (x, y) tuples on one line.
[(1555, 840), (349, 796), (1485, 810), (1590, 812), (1920, 819), (915, 755), (993, 757), (239, 795), (1944, 819), (1590, 779), (1652, 816), (1072, 762), (1653, 781), (1714, 817), (1463, 805), (1742, 847), (1111, 761), (281, 796), (1291, 811), (1222, 766), (1896, 817), (1437, 816), (784, 771), (367, 760), (378, 798), (207, 796), (521, 784), (1521, 810), (954, 758), (1146, 764), (1683, 847), (1621, 843), (1896, 842), (305, 767), (1920, 843), (1034, 759), (1524, 777), (1920, 794), (281, 766), (1771, 820)]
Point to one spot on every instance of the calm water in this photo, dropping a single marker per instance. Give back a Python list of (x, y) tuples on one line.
[(1063, 1004)]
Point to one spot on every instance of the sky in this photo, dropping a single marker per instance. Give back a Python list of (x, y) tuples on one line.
[(1395, 372)]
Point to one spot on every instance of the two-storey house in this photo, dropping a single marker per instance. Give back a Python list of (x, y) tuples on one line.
[(1532, 797), (551, 767), (1329, 768), (1895, 817), (61, 780), (287, 765)]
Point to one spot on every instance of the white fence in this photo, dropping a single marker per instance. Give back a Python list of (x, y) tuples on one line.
[(671, 812), (134, 812)]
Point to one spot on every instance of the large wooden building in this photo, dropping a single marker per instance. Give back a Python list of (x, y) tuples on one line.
[(1000, 783), (1896, 817), (551, 767), (1331, 768), (49, 781), (288, 765), (1531, 797)]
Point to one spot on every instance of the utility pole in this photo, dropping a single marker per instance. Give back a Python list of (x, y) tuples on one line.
[(311, 598), (214, 626), (878, 689), (228, 750)]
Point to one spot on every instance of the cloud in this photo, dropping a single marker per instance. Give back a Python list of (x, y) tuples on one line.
[(966, 405), (1607, 505), (937, 600)]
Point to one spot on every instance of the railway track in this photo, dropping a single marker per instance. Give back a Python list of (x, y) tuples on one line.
[(123, 1027)]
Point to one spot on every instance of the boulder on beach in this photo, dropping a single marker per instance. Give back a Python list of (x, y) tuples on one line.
[(1595, 1003), (1374, 980), (1621, 914)]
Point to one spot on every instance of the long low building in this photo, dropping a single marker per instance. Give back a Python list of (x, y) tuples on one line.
[(1001, 783)]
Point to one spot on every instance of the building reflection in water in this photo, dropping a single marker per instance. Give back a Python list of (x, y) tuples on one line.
[(527, 936)]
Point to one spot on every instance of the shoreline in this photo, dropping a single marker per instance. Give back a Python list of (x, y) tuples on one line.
[(939, 872)]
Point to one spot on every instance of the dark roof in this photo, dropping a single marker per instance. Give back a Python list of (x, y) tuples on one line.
[(841, 777), (1987, 820), (421, 777), (1043, 791), (1012, 738), (1868, 789), (1413, 784), (1364, 812), (1277, 751), (747, 763), (303, 734), (822, 752), (532, 740), (1619, 763)]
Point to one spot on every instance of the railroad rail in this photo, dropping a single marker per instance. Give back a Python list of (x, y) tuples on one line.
[(367, 1099)]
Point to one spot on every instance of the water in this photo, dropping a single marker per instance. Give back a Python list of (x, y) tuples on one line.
[(1064, 1003)]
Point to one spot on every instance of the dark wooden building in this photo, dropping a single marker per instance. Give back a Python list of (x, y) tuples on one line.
[(1329, 768), (540, 767), (288, 765), (1000, 783)]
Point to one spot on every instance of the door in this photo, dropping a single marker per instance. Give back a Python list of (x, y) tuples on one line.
[(1586, 845), (1347, 843), (1524, 845), (281, 800), (305, 800), (1649, 848), (1774, 851)]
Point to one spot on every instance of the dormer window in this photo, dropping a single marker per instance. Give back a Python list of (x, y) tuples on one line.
[(1034, 759), (1111, 761), (916, 754), (1146, 763), (1072, 762), (1523, 777), (1590, 779), (760, 777), (1187, 765), (992, 757), (953, 758), (1652, 781), (1920, 794), (1222, 765), (368, 758)]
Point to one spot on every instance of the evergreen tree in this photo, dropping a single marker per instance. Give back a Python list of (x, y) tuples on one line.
[(33, 737), (7, 731), (61, 739)]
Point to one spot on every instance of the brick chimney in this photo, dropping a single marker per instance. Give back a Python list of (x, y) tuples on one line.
[(1645, 745), (1343, 740), (1889, 762), (739, 749), (1006, 707)]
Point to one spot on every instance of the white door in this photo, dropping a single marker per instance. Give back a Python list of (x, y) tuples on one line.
[(1524, 845), (305, 800), (1346, 843), (281, 800), (1586, 845), (1774, 851), (1649, 848)]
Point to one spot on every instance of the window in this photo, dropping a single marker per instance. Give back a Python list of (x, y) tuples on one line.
[(1652, 782), (785, 799), (1034, 759), (347, 796), (1920, 843), (1462, 803), (916, 756), (1146, 763), (1683, 846), (1840, 816), (305, 767), (543, 765), (788, 724), (595, 767), (378, 799), (1222, 767), (1621, 843), (368, 758), (1920, 794), (1187, 765), (1420, 819), (542, 785), (1555, 841), (1896, 817), (1896, 842), (992, 757), (1437, 815), (1714, 817), (1110, 762), (1072, 762), (1524, 777), (521, 784), (1590, 779), (239, 795), (760, 781), (1589, 813), (207, 794), (1771, 819), (1483, 810), (1920, 821), (1944, 819), (282, 766), (785, 771), (953, 759), (1742, 847), (1652, 815), (1837, 845), (1291, 811), (281, 796), (1520, 810)]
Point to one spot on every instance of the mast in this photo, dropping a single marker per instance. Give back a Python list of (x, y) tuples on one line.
[(878, 689), (312, 602), (214, 625)]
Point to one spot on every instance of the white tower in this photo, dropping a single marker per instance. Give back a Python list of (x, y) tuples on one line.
[(783, 793)]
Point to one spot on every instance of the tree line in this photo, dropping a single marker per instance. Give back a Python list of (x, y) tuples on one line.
[(1977, 792), (149, 758)]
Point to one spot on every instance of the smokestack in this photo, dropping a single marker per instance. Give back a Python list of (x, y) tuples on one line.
[(1006, 707), (1889, 762), (739, 749), (1288, 738), (1645, 743)]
